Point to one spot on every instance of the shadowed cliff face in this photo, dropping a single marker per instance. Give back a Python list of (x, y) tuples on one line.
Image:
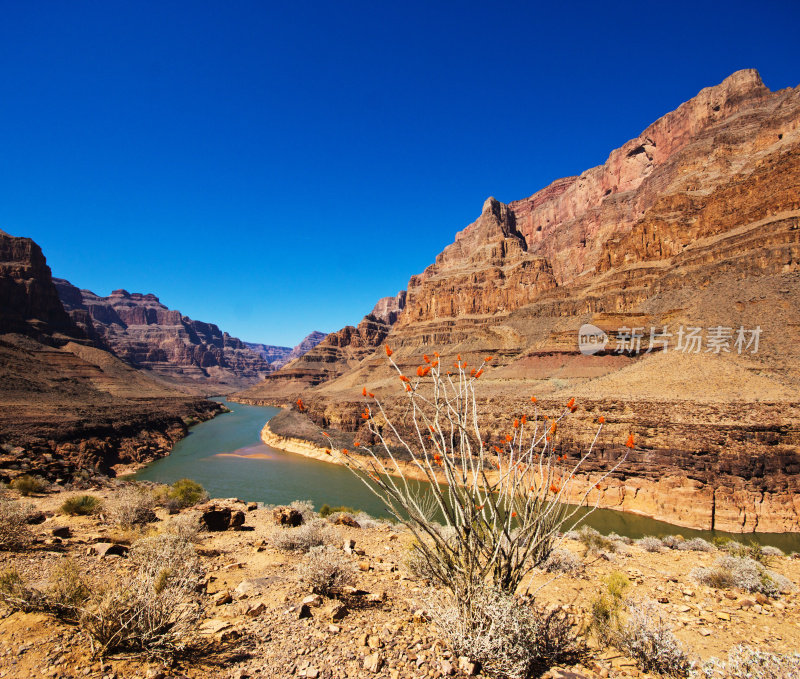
[(66, 404), (147, 334), (694, 223)]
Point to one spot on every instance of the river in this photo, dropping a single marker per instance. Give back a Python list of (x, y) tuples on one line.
[(227, 457)]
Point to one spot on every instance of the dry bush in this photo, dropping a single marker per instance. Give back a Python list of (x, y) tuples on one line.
[(15, 533), (506, 499), (624, 539), (186, 526), (306, 509), (67, 591), (29, 485), (562, 560), (15, 593), (81, 505), (650, 543), (156, 608), (131, 505), (595, 543), (312, 534), (366, 521), (606, 609), (744, 573), (647, 639), (696, 545), (769, 551), (746, 662), (671, 541), (508, 637), (327, 570)]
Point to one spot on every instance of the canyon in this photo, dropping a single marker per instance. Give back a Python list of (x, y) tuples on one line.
[(690, 228)]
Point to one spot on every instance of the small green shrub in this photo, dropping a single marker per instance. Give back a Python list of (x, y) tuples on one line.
[(326, 510), (29, 485), (594, 542), (67, 591), (187, 493), (81, 505), (743, 573), (606, 609)]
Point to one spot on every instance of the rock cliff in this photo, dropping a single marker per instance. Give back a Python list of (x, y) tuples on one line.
[(145, 333), (67, 404), (695, 223)]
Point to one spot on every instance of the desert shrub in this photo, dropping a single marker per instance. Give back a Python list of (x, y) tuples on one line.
[(187, 493), (366, 521), (312, 534), (753, 550), (506, 523), (67, 591), (81, 505), (606, 609), (14, 531), (624, 539), (326, 510), (696, 545), (15, 593), (508, 637), (647, 639), (672, 541), (29, 485), (595, 543), (746, 662), (650, 544), (186, 526), (131, 506), (154, 609), (327, 570), (562, 561), (769, 551), (306, 509), (744, 573)]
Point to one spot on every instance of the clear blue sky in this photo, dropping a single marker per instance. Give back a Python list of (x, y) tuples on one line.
[(275, 168)]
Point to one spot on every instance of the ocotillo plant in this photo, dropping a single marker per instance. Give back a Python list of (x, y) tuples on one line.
[(503, 505)]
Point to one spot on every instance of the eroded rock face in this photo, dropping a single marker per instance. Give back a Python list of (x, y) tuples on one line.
[(142, 331), (695, 222)]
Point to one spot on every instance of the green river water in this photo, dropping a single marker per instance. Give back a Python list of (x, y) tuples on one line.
[(227, 456)]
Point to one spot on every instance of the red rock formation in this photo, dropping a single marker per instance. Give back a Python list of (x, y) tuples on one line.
[(695, 222), (147, 334)]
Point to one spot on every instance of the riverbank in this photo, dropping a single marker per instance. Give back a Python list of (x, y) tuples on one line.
[(672, 499)]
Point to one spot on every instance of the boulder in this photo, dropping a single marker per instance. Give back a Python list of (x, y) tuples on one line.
[(287, 516)]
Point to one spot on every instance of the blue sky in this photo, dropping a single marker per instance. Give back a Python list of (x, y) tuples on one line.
[(275, 168)]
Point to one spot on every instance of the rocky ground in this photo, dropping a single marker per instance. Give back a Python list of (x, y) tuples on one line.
[(259, 619)]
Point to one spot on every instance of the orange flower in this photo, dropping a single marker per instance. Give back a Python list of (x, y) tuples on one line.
[(458, 358), (472, 372), (437, 459), (601, 420), (326, 434), (389, 352), (479, 507), (479, 373), (524, 419), (434, 364), (420, 371), (426, 358), (516, 423), (554, 488), (554, 427), (374, 477), (436, 353), (356, 444), (488, 358), (513, 515), (408, 387), (629, 443), (573, 409), (571, 403), (300, 405), (403, 378), (547, 438), (364, 391), (365, 414), (345, 451), (498, 464), (327, 451), (371, 395), (597, 486), (508, 438), (533, 399), (497, 449)]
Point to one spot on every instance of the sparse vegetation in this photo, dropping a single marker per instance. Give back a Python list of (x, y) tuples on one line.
[(326, 510), (28, 485), (606, 609), (301, 539), (131, 505), (595, 543), (647, 638), (746, 662), (81, 505), (562, 560), (14, 531), (187, 493), (696, 545), (650, 544), (326, 570), (743, 573)]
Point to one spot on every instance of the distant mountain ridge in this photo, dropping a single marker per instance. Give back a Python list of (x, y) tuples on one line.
[(277, 357)]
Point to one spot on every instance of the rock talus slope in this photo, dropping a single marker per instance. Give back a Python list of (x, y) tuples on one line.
[(695, 223)]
